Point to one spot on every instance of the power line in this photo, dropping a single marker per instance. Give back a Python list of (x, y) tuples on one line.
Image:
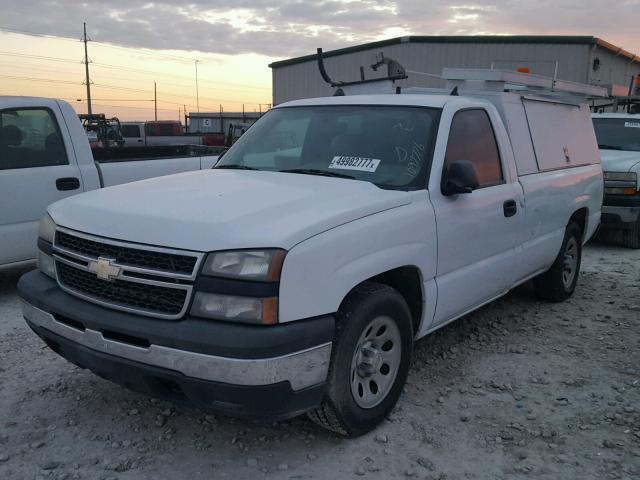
[(102, 44), (39, 57), (129, 69), (36, 34), (105, 86), (129, 49)]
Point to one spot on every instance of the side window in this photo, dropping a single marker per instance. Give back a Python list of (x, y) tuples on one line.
[(29, 138), (471, 138), (130, 131)]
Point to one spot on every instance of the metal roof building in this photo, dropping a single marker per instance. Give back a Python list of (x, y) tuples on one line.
[(218, 122), (583, 59)]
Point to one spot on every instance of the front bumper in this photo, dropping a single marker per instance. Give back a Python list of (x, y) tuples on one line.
[(275, 371), (619, 217)]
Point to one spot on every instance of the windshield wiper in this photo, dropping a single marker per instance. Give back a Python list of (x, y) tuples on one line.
[(235, 167), (313, 171), (610, 147)]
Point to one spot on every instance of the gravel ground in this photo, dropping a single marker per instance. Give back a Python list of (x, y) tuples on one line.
[(519, 389)]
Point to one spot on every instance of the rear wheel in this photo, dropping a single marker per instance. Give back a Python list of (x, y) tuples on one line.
[(369, 361), (631, 236), (559, 282)]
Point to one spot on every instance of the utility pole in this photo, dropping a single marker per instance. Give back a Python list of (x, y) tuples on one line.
[(155, 100), (185, 117), (86, 69), (197, 93)]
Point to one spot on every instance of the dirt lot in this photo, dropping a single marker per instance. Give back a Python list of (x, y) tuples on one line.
[(519, 389)]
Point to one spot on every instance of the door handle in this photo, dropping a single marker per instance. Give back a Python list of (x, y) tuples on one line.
[(67, 183), (510, 208)]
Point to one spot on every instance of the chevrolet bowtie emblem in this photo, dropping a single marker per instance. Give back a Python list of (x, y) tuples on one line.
[(103, 269)]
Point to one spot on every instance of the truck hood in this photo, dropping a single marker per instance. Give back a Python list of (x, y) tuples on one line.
[(619, 160), (224, 209)]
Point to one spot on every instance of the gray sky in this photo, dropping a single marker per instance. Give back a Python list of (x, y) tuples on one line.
[(285, 28)]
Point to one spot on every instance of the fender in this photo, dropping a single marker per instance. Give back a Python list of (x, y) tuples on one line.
[(319, 272)]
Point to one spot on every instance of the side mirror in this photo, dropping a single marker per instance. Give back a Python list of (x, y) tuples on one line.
[(461, 177)]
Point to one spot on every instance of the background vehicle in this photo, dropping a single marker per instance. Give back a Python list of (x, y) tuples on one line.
[(102, 132), (45, 156), (619, 141), (170, 133), (296, 274), (236, 130), (158, 133)]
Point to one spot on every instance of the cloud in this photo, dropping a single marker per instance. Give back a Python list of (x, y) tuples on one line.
[(285, 28)]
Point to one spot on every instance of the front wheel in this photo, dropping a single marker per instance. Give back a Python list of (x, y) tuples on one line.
[(370, 360), (631, 236), (559, 282)]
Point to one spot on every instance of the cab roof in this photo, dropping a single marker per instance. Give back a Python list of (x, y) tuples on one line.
[(408, 100)]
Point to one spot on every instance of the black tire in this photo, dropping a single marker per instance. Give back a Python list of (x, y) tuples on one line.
[(631, 236), (552, 285), (339, 411)]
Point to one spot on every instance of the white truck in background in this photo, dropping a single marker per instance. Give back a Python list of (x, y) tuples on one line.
[(618, 135), (44, 157), (295, 275), (158, 133)]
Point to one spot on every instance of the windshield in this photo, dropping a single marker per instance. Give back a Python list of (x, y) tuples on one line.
[(389, 146), (618, 133)]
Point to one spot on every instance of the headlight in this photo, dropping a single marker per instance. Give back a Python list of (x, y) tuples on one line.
[(261, 265), (621, 176), (47, 228), (240, 309), (46, 232)]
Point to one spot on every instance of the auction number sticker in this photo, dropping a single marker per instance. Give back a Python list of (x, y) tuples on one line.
[(355, 163), (632, 124)]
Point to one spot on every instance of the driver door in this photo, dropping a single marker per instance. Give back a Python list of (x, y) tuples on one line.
[(478, 231)]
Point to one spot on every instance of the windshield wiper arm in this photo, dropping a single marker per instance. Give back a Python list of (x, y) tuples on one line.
[(313, 171), (235, 167)]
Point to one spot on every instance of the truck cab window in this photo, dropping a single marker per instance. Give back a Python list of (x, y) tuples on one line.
[(131, 131), (29, 138), (471, 138)]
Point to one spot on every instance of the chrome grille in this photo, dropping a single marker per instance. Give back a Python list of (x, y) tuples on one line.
[(150, 298), (135, 257), (148, 280)]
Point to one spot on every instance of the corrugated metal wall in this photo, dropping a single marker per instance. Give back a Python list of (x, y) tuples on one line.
[(303, 80), (613, 69)]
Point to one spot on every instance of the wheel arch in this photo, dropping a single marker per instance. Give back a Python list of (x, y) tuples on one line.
[(580, 217), (406, 280)]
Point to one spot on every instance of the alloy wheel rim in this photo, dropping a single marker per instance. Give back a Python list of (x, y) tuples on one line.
[(376, 361)]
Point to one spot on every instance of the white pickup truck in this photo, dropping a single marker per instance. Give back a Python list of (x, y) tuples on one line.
[(138, 134), (618, 137), (296, 274), (44, 157)]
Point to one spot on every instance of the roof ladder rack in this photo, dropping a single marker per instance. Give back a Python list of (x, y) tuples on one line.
[(508, 80)]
